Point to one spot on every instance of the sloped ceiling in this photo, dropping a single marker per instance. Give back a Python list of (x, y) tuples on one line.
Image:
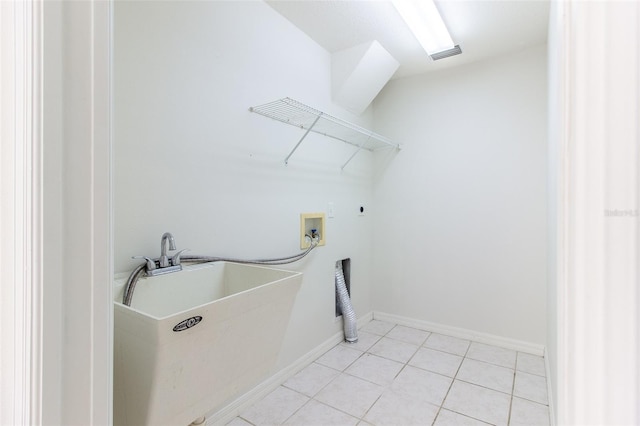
[(483, 29)]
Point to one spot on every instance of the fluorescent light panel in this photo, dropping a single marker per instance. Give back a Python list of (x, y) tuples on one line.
[(425, 22)]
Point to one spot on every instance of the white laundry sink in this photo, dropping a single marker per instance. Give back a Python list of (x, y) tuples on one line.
[(194, 340)]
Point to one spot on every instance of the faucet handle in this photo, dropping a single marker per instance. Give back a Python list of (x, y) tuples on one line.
[(151, 264), (175, 260)]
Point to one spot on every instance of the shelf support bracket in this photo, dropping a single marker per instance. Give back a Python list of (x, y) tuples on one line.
[(286, 160), (354, 154)]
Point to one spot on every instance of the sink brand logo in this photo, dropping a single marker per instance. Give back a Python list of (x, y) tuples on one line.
[(188, 323)]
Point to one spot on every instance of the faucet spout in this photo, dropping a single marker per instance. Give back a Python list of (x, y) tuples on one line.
[(164, 259)]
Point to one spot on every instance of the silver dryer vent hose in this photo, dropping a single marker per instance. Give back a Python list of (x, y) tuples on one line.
[(344, 303)]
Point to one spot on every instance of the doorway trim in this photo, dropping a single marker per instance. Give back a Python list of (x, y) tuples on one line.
[(56, 250)]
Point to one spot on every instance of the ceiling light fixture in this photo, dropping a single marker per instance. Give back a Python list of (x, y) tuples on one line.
[(427, 26)]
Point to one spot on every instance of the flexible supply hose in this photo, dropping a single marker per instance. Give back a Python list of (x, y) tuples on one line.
[(141, 269), (344, 303)]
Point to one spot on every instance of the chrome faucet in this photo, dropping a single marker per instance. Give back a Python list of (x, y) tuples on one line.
[(164, 259), (165, 264)]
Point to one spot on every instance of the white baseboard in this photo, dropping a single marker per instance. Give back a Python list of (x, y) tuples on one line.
[(365, 319), (463, 333), (226, 414)]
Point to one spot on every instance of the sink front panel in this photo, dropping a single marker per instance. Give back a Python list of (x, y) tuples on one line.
[(167, 377)]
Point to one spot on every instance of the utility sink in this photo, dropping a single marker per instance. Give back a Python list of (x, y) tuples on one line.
[(193, 341)]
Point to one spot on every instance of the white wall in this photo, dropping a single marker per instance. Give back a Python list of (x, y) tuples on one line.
[(460, 223), (191, 159)]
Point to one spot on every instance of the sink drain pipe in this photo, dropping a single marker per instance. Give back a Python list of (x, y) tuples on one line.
[(344, 303)]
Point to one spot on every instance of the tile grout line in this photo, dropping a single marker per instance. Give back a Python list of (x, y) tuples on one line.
[(513, 388), (451, 385), (484, 387), (337, 409), (405, 364), (240, 417), (313, 398), (531, 400), (302, 406), (320, 390), (361, 419), (532, 374), (369, 409)]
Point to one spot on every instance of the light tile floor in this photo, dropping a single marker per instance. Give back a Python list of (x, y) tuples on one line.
[(401, 376)]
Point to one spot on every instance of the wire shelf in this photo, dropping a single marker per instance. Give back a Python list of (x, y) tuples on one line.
[(292, 112)]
